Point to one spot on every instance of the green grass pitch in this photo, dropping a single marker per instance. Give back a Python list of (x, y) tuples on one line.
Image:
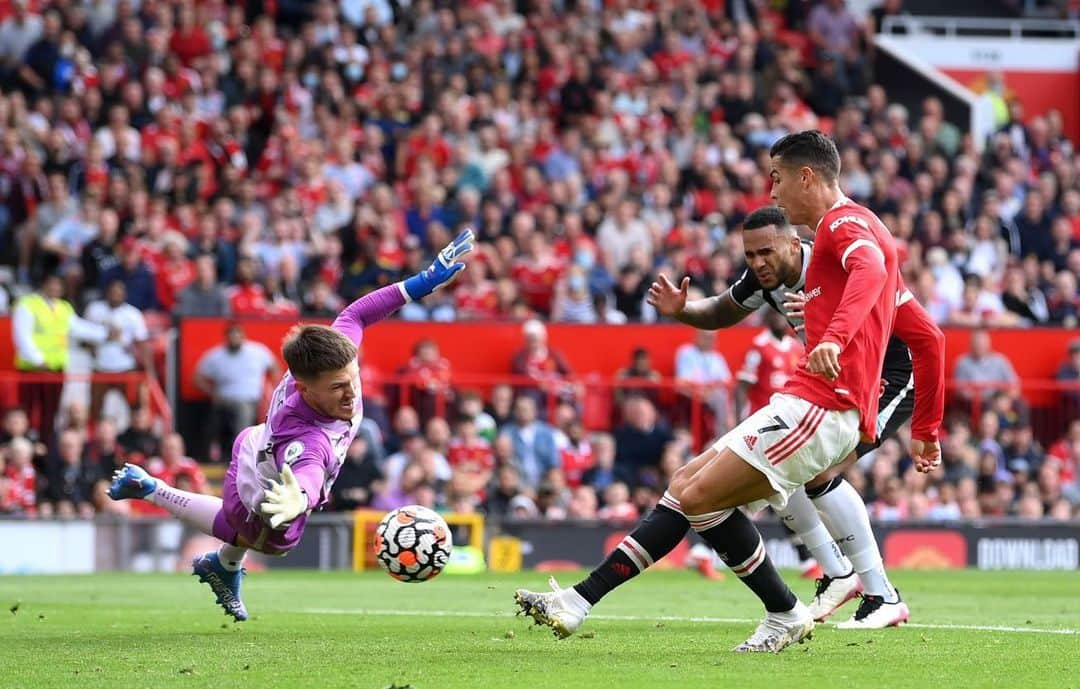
[(665, 629)]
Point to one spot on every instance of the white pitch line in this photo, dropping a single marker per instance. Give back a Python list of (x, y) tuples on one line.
[(659, 618)]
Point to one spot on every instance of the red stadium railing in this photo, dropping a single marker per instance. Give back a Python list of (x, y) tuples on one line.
[(593, 395), (1048, 406), (131, 383)]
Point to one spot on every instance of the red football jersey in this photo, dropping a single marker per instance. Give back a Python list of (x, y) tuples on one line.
[(768, 365), (851, 290), (537, 281), (479, 302), (575, 461), (475, 455)]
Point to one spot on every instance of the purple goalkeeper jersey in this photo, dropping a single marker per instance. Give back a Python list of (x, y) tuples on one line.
[(295, 434)]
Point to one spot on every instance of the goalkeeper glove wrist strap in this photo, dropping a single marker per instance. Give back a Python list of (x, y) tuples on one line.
[(419, 286)]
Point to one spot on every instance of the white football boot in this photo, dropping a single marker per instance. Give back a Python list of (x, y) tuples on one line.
[(563, 610), (875, 613), (779, 630), (832, 592)]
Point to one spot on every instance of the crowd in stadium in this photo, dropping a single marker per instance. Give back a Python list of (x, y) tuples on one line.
[(214, 159)]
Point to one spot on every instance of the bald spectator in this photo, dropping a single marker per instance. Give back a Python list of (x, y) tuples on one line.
[(205, 297), (233, 375), (18, 32), (69, 479), (621, 232), (546, 367), (704, 376), (982, 366), (640, 440)]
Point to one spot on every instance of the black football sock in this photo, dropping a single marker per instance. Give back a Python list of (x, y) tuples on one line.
[(655, 536), (736, 539)]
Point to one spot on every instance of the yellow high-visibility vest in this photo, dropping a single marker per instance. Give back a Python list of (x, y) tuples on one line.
[(51, 325)]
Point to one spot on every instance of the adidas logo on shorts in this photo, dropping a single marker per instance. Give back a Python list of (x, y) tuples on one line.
[(750, 441)]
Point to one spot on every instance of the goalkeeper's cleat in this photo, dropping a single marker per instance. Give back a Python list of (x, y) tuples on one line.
[(131, 482), (832, 592), (224, 584), (779, 630), (875, 613), (561, 609)]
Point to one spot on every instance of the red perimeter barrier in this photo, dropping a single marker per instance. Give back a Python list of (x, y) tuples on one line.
[(479, 348)]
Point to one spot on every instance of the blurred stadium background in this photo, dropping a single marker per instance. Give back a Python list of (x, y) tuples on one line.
[(194, 177)]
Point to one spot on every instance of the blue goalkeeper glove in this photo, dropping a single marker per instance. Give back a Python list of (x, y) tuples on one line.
[(443, 269)]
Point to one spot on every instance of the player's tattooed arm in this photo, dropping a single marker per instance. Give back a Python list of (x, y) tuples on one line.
[(711, 313)]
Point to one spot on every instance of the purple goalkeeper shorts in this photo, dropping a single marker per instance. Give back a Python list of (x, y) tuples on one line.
[(237, 525)]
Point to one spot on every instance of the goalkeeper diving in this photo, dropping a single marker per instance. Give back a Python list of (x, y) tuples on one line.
[(283, 468)]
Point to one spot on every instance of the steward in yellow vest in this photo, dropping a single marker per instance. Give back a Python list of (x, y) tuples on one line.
[(41, 325)]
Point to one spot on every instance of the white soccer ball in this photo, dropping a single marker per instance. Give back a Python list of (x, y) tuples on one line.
[(413, 544)]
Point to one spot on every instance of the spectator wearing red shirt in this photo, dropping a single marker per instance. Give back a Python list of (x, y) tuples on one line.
[(546, 367), (537, 272), (247, 297), (576, 454), (475, 297), (173, 464), (428, 143), (771, 360), (429, 374), (189, 40), (175, 271), (673, 55), (18, 481), (617, 504), (471, 455)]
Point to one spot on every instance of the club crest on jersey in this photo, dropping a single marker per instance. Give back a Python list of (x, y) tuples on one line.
[(848, 218), (293, 451)]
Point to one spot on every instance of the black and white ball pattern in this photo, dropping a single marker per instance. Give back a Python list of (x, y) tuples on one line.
[(412, 544)]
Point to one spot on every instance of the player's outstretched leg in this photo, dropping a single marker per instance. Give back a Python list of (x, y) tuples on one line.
[(194, 509), (844, 513), (222, 572), (838, 583), (709, 500), (564, 610)]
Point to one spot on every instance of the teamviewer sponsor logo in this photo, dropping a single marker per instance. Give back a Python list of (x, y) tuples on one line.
[(816, 292)]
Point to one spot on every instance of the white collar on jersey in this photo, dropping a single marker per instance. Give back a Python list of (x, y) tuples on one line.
[(807, 248), (843, 200)]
